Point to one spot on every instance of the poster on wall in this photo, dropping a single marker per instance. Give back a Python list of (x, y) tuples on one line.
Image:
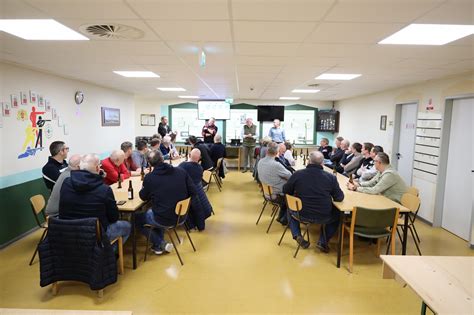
[(22, 115), (60, 121), (40, 101), (6, 109), (24, 98), (65, 130), (54, 114), (14, 99), (33, 97), (47, 105)]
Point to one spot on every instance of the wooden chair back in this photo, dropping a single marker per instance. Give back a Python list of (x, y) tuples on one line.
[(293, 203), (267, 191), (206, 176), (410, 201), (374, 218), (413, 191), (182, 207), (37, 206), (218, 164)]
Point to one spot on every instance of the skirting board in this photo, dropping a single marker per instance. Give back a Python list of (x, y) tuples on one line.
[(2, 246)]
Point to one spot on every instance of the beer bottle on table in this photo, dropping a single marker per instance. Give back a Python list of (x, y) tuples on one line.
[(119, 180), (334, 170), (350, 179), (130, 190), (142, 173)]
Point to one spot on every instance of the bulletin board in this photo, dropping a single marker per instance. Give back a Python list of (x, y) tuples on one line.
[(299, 126), (185, 121), (237, 119)]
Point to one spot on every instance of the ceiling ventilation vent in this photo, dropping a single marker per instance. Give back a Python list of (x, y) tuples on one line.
[(111, 31)]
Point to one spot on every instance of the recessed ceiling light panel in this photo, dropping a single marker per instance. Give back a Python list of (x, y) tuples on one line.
[(289, 98), (428, 34), (171, 89), (137, 74), (36, 29), (337, 76), (309, 91), (189, 96)]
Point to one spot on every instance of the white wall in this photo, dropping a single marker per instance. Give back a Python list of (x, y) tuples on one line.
[(84, 122)]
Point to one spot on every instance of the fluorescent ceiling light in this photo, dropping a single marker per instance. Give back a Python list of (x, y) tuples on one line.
[(137, 74), (337, 76), (289, 98), (305, 91), (171, 89), (428, 34), (189, 96), (39, 30)]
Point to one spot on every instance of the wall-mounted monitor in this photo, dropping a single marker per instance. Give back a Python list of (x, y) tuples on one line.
[(219, 109), (269, 113)]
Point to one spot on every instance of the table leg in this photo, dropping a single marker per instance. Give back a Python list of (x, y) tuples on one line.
[(238, 160), (405, 234), (339, 242), (423, 308), (134, 241)]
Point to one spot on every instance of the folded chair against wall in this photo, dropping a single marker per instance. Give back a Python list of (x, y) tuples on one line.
[(78, 250), (181, 211), (267, 192), (38, 203), (370, 223), (295, 204)]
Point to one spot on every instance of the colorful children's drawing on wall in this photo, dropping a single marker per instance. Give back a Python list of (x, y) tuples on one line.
[(34, 133)]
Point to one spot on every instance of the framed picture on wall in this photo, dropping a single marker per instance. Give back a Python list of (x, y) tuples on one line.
[(147, 120), (110, 116), (383, 122)]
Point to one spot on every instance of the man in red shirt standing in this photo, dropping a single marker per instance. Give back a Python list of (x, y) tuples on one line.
[(113, 166)]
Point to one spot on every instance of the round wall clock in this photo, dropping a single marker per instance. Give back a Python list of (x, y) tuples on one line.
[(79, 97)]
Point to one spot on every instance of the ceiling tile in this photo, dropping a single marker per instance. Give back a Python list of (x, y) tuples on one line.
[(218, 31), (181, 9), (451, 12), (266, 49), (272, 31)]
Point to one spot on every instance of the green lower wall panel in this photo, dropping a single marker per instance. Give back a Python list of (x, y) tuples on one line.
[(16, 216)]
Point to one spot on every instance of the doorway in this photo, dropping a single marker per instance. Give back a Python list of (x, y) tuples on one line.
[(457, 206), (406, 135)]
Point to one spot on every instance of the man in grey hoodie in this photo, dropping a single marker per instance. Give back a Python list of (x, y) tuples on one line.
[(52, 208), (387, 181)]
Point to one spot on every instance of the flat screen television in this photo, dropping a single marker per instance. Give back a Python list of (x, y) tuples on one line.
[(219, 109), (269, 113)]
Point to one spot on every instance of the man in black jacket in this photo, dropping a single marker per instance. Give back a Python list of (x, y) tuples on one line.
[(317, 189), (163, 128), (217, 152), (56, 163), (164, 187), (206, 161), (336, 155), (85, 195)]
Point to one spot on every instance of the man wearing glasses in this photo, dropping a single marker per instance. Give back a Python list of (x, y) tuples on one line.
[(56, 163)]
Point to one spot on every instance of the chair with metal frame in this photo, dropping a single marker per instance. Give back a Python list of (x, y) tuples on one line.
[(370, 223), (206, 177), (414, 191), (181, 211), (296, 205), (267, 192), (412, 202), (215, 173), (38, 204)]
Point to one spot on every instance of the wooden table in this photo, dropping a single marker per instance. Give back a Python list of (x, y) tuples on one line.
[(134, 205), (444, 283), (19, 311), (231, 147), (356, 199)]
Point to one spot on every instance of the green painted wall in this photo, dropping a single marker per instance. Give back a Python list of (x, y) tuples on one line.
[(16, 216)]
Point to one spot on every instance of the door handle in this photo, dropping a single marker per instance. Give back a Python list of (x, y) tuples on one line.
[(398, 155)]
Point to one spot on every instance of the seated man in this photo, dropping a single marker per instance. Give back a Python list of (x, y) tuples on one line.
[(138, 156), (355, 160), (155, 144), (132, 168), (164, 187), (274, 174), (167, 149), (217, 152), (113, 166), (367, 162), (206, 161), (52, 208), (201, 206), (387, 181), (289, 154), (317, 189), (281, 157), (84, 195), (56, 163), (336, 155), (368, 172), (346, 156), (325, 148)]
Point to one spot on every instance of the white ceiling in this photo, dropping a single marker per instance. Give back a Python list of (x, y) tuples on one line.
[(273, 46)]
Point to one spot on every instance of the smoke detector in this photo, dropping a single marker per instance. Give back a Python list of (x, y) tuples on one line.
[(313, 85), (111, 31)]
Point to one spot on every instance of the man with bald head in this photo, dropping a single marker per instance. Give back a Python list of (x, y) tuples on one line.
[(84, 195), (52, 208), (317, 189), (281, 158), (113, 166), (192, 167)]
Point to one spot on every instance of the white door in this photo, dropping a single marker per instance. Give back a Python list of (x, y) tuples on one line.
[(406, 145), (457, 208)]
